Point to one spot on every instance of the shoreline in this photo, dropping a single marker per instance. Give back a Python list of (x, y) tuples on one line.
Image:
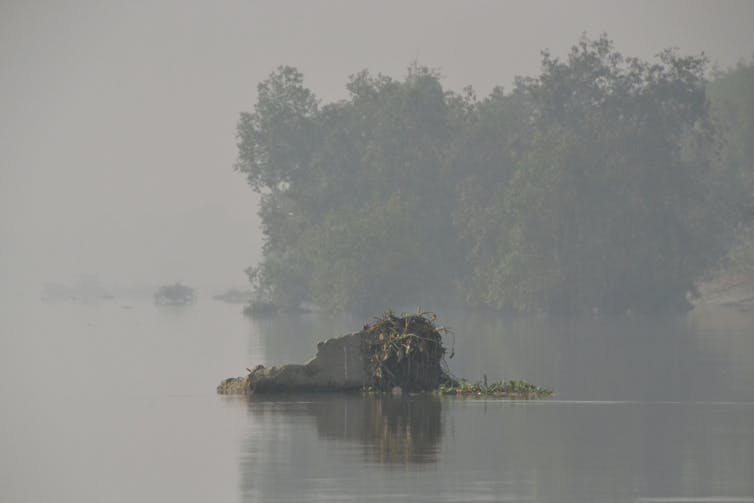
[(730, 290)]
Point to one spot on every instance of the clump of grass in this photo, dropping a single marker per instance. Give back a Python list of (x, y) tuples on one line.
[(509, 389)]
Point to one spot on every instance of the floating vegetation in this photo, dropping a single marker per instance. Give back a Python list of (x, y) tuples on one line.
[(405, 352), (174, 295), (509, 389), (234, 386)]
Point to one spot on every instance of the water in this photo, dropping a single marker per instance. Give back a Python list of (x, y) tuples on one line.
[(115, 401)]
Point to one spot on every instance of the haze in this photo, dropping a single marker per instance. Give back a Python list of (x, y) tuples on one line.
[(117, 136)]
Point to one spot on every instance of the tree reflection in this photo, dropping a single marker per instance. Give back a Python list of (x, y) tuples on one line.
[(390, 429)]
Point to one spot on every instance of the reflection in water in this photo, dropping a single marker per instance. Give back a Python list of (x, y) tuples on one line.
[(645, 408), (667, 411), (447, 449), (389, 429), (330, 447)]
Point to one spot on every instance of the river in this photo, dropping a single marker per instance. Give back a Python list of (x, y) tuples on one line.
[(115, 401)]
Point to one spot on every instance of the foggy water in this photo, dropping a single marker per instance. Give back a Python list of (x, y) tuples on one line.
[(115, 401)]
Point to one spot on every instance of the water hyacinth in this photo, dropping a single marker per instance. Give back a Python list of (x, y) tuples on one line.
[(510, 389)]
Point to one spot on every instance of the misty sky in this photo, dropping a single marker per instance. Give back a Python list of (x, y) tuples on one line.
[(117, 125)]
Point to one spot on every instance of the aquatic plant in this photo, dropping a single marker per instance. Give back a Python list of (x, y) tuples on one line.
[(175, 294), (510, 389)]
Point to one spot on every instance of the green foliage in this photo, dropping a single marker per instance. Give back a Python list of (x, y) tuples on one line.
[(175, 294), (596, 185), (508, 389), (605, 208), (352, 201), (741, 256), (277, 140), (732, 97)]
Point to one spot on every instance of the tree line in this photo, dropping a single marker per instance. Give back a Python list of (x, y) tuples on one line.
[(606, 182)]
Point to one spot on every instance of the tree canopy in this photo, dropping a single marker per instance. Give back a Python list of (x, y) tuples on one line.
[(592, 185)]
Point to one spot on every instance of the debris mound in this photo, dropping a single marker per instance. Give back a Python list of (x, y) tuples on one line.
[(405, 351)]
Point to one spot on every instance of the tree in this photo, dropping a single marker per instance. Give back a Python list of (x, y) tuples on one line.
[(732, 98), (355, 206), (596, 184), (608, 206)]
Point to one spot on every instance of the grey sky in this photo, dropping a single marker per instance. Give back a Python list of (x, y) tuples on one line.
[(118, 118)]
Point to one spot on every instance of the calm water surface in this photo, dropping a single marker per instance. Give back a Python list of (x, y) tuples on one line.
[(115, 401)]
